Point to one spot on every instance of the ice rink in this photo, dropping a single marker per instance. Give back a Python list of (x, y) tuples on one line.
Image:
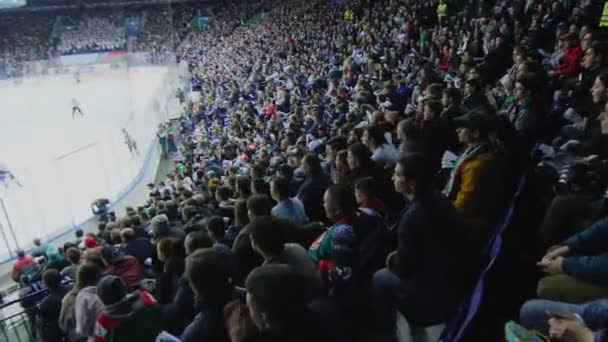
[(62, 163)]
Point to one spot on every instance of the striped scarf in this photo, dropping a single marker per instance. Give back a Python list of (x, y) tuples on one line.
[(467, 155)]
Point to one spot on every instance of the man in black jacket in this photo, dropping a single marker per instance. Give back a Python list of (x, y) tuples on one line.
[(50, 307), (139, 247), (209, 278), (314, 186)]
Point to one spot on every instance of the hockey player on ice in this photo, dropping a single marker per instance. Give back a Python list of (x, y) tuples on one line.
[(76, 108)]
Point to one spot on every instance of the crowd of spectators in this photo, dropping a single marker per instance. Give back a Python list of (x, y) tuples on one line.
[(158, 35), (32, 35), (342, 159), (92, 33), (23, 41)]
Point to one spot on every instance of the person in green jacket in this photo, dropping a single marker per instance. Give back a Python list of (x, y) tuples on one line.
[(336, 251)]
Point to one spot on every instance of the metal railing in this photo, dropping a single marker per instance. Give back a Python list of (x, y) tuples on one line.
[(18, 324)]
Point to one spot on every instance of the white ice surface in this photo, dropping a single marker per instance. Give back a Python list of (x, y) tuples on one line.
[(64, 163)]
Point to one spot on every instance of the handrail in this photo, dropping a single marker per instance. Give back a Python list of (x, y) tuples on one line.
[(2, 306)]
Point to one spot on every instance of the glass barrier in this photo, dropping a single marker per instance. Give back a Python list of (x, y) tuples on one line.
[(62, 161)]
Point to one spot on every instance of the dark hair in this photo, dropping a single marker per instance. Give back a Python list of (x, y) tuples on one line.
[(313, 162), (208, 274), (260, 186), (135, 221), (410, 128), (79, 233), (285, 171), (281, 186), (435, 106), (367, 186), (337, 143), (20, 253), (189, 212), (504, 130), (344, 198), (152, 212), (361, 153), (240, 213), (259, 205), (415, 166), (603, 78), (269, 234), (453, 94), (216, 226), (197, 240), (257, 170), (529, 82), (376, 133), (223, 192), (87, 275), (473, 83), (244, 185), (73, 255), (51, 278), (279, 292), (600, 48)]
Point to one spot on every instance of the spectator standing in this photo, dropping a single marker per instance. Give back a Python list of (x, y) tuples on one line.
[(50, 307), (241, 219), (315, 184), (30, 294), (139, 247), (24, 264), (124, 266), (87, 305), (246, 258), (125, 318), (216, 228), (160, 227), (40, 249), (171, 253), (209, 278), (73, 256)]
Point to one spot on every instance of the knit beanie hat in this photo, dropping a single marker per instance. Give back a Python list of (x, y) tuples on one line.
[(111, 290)]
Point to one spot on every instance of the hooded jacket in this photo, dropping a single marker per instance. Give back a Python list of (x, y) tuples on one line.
[(135, 318), (128, 269)]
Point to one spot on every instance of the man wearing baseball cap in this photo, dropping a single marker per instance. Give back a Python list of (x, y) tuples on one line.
[(476, 180)]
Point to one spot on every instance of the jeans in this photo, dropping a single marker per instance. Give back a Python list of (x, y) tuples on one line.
[(389, 290), (424, 300), (533, 313)]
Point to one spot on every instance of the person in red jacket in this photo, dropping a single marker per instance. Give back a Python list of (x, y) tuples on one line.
[(124, 266), (571, 59), (23, 262)]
